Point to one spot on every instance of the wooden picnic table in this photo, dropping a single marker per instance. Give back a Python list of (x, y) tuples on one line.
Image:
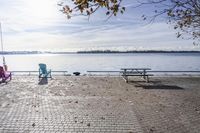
[(136, 72)]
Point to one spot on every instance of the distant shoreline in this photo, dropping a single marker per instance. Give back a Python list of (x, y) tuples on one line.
[(147, 51), (92, 52)]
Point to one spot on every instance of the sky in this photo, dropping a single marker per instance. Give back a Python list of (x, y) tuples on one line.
[(38, 25)]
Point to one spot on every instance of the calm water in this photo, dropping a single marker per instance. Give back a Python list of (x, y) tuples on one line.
[(84, 62)]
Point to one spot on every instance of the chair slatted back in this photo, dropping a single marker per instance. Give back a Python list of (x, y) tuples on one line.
[(43, 68), (2, 73)]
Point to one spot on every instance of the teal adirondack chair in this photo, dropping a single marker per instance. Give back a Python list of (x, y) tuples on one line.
[(43, 73)]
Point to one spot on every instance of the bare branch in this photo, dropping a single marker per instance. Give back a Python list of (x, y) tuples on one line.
[(183, 14)]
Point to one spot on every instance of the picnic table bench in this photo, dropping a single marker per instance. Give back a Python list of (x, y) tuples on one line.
[(126, 72)]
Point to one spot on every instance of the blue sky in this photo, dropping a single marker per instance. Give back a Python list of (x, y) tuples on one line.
[(39, 25)]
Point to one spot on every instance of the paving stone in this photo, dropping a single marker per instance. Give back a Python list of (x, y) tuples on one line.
[(41, 113)]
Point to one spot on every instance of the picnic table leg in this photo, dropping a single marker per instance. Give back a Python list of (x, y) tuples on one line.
[(147, 80), (144, 73), (125, 77)]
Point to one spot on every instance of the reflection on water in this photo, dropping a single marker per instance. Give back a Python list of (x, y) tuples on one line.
[(84, 62)]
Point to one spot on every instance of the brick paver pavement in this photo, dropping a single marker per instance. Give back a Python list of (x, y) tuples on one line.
[(40, 111), (100, 104)]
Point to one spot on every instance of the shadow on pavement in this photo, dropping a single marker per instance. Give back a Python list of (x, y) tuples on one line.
[(155, 85), (166, 87), (43, 81)]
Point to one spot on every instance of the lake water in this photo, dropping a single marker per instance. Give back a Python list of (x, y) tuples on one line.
[(85, 62)]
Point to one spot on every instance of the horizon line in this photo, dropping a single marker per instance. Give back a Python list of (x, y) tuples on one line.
[(98, 51)]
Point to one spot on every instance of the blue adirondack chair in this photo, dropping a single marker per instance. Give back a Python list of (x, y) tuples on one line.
[(43, 72)]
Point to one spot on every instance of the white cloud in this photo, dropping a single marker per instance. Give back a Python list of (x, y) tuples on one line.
[(38, 25)]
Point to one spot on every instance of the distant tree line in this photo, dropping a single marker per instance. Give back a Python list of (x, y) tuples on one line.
[(135, 51)]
